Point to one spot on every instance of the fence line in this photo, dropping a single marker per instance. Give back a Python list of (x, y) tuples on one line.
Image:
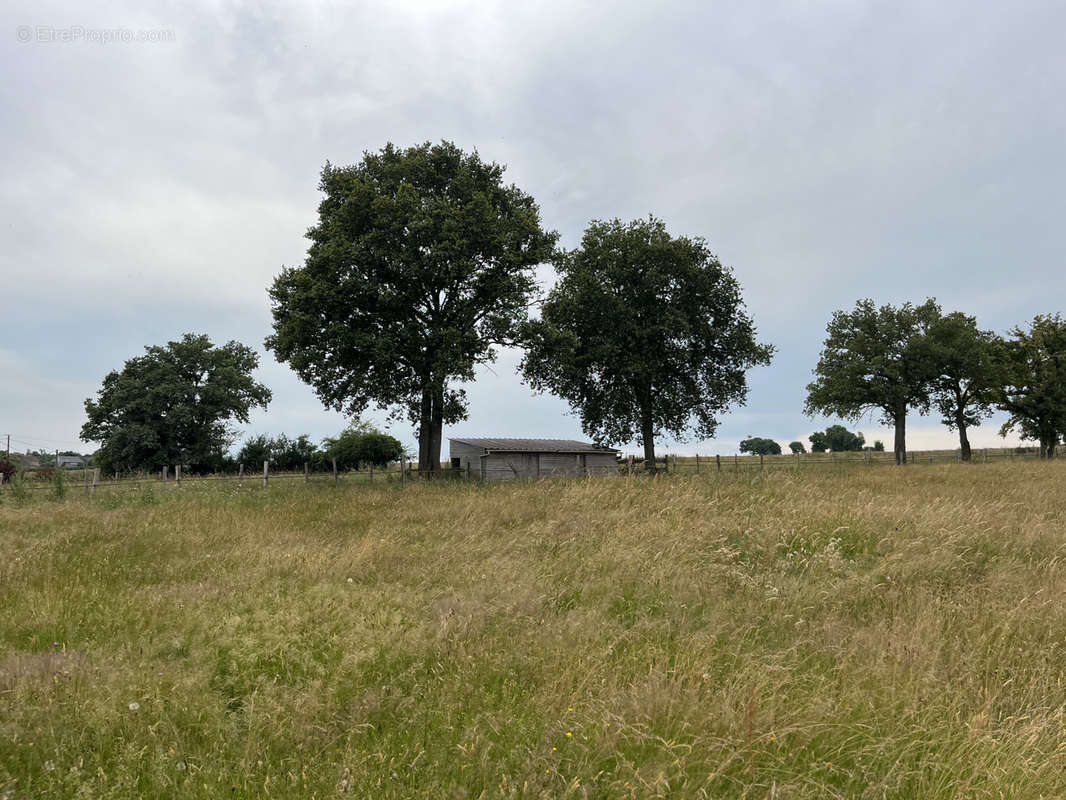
[(698, 464)]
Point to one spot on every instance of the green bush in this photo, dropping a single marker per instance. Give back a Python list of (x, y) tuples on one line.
[(361, 445)]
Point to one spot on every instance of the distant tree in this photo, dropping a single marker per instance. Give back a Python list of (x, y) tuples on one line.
[(361, 445), (879, 446), (841, 440), (174, 405), (966, 374), (875, 358), (283, 453), (255, 451), (836, 438), (797, 447), (422, 262), (819, 442), (758, 446), (643, 334), (1034, 382)]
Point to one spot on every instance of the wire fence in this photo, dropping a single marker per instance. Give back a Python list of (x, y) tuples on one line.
[(829, 460), (90, 479)]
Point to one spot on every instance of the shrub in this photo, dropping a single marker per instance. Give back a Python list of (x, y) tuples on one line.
[(361, 445)]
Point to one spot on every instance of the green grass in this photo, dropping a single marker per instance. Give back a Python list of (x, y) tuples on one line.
[(855, 633)]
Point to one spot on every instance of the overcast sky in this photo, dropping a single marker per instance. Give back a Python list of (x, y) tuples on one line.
[(827, 151)]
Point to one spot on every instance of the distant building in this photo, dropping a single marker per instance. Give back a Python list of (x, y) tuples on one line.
[(510, 459), (70, 462)]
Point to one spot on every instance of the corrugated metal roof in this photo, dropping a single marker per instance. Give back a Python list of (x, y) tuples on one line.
[(535, 445)]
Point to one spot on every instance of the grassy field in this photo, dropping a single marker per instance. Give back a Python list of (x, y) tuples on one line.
[(855, 633)]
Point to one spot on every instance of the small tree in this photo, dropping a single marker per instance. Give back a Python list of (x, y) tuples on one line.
[(643, 334), (819, 442), (797, 447), (174, 405), (760, 447), (875, 358), (1034, 382), (879, 446)]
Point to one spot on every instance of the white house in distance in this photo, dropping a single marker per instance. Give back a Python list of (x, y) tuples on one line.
[(510, 459)]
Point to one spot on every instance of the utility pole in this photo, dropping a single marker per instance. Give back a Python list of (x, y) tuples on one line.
[(8, 456)]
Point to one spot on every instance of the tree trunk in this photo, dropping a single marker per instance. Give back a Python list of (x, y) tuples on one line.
[(436, 428), (964, 441), (900, 419), (1047, 444), (647, 435), (425, 409)]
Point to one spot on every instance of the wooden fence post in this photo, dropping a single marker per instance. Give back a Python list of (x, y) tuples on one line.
[(697, 463), (86, 471), (240, 476), (760, 462), (165, 471), (96, 477), (718, 461), (266, 470), (736, 463), (307, 473), (334, 472), (371, 471), (177, 474)]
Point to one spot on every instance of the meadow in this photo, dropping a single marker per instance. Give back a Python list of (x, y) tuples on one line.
[(852, 633)]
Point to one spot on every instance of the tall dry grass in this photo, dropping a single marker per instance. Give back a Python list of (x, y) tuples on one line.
[(866, 634)]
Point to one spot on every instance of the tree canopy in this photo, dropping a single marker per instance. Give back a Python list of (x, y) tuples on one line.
[(421, 262), (797, 447), (1033, 387), (875, 359), (643, 334), (759, 446), (174, 405)]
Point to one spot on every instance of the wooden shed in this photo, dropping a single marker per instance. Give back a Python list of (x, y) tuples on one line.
[(510, 459)]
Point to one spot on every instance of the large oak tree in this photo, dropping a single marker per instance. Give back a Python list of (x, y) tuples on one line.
[(875, 358), (421, 262), (643, 334), (174, 405)]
